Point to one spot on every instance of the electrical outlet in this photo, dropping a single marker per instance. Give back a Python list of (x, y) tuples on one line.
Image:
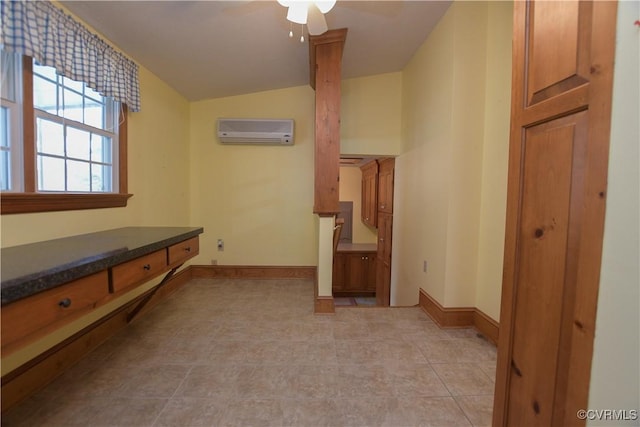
[(424, 266), (214, 262), (220, 245)]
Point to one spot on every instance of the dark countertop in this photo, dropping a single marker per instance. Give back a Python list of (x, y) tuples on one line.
[(357, 247), (35, 267)]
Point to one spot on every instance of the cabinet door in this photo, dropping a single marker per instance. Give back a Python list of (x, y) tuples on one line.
[(356, 272), (385, 185), (369, 206), (339, 272), (371, 273), (385, 226)]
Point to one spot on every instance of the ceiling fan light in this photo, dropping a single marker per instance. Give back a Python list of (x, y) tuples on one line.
[(298, 12), (285, 3), (316, 23), (325, 5)]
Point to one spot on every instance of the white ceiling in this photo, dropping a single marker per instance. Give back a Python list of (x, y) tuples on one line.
[(211, 49)]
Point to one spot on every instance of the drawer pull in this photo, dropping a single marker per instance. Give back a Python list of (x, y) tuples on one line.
[(147, 267), (188, 249), (65, 303)]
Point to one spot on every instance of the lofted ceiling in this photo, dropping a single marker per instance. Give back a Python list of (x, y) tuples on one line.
[(212, 49)]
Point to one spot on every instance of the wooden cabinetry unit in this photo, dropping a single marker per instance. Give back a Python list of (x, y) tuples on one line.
[(369, 208), (354, 273), (36, 313), (35, 316), (386, 169), (139, 270), (180, 252)]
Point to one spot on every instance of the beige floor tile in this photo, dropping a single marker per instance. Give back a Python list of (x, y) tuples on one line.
[(253, 412), (364, 380), (313, 352), (97, 412), (415, 379), (153, 381), (228, 352), (462, 350), (312, 382), (489, 368), (433, 412), (373, 412), (478, 409), (264, 382), (464, 379), (209, 381), (181, 412), (351, 330), (311, 413)]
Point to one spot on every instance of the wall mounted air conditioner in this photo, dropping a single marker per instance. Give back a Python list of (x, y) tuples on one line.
[(255, 131)]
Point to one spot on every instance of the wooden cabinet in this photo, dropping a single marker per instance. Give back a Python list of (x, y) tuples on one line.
[(138, 270), (354, 273), (42, 313), (386, 169), (385, 227), (35, 316), (339, 269), (369, 207), (180, 252)]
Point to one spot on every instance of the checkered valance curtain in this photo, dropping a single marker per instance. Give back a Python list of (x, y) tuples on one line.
[(44, 32)]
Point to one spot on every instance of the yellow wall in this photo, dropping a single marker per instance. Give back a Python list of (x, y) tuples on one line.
[(259, 200), (450, 175), (370, 111), (351, 191), (495, 155), (421, 175)]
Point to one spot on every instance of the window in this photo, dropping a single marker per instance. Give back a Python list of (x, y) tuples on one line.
[(63, 146), (75, 132)]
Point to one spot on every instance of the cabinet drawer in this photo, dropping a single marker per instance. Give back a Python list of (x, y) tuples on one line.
[(51, 309), (139, 270), (182, 251)]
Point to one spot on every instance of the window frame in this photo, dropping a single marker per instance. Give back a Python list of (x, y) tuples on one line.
[(29, 199)]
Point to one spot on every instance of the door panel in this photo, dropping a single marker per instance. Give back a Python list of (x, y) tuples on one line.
[(558, 159), (550, 172), (558, 48)]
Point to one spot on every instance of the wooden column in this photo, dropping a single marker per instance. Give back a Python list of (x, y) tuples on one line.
[(325, 64)]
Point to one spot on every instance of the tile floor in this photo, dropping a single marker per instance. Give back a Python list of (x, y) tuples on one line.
[(252, 353)]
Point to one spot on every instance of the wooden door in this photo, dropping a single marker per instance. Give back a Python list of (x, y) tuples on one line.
[(385, 185), (369, 208), (370, 261), (383, 261), (560, 121)]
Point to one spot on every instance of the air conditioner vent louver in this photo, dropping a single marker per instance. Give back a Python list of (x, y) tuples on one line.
[(256, 131)]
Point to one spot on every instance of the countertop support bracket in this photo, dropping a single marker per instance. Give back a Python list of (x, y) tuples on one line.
[(147, 298)]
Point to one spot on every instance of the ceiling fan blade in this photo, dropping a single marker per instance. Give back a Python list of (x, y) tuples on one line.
[(315, 21)]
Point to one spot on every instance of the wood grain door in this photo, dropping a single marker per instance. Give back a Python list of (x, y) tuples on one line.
[(559, 144), (385, 185), (383, 260)]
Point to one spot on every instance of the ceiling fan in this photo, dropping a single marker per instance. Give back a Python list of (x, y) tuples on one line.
[(309, 12)]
